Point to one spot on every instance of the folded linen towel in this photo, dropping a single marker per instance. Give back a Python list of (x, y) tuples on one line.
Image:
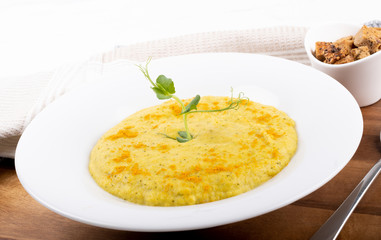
[(22, 98)]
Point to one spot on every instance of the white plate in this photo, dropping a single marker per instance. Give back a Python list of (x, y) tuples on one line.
[(53, 153)]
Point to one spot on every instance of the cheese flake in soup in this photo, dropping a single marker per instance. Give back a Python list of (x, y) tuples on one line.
[(232, 152)]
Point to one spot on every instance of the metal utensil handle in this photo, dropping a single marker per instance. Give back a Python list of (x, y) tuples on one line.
[(331, 228)]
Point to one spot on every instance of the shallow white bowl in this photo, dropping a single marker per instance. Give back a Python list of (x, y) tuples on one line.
[(52, 155), (362, 78)]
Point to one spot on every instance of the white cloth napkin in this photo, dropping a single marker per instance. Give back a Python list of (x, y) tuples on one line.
[(22, 98)]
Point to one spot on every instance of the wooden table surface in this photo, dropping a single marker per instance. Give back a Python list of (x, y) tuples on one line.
[(21, 217)]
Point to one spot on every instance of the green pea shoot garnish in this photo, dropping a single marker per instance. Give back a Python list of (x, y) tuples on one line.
[(164, 89)]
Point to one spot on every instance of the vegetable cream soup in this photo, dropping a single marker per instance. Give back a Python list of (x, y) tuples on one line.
[(231, 152)]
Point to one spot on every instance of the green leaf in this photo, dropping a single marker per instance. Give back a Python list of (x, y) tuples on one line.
[(182, 140), (165, 135), (166, 84), (160, 94), (192, 105), (184, 134)]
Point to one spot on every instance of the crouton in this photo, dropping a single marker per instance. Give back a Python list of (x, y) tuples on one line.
[(370, 37), (360, 52), (347, 59), (321, 48), (345, 43)]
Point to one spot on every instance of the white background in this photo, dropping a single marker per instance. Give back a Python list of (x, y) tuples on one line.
[(40, 35)]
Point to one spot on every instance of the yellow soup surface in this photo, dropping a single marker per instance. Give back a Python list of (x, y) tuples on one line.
[(232, 152)]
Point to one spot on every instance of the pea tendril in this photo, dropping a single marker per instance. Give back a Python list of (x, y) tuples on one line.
[(164, 88)]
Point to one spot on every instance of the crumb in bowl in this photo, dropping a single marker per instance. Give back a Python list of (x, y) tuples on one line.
[(364, 43)]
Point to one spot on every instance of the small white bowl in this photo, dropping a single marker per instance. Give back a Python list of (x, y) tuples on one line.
[(362, 78)]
